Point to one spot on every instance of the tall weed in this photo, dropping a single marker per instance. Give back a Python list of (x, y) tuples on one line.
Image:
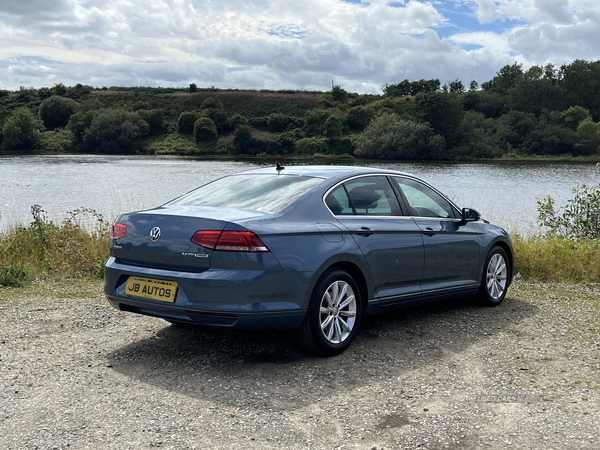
[(77, 247)]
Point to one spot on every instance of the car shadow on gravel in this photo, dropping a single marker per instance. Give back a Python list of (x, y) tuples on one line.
[(267, 368)]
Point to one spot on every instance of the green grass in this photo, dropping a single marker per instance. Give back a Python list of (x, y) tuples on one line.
[(78, 247), (556, 259), (75, 248)]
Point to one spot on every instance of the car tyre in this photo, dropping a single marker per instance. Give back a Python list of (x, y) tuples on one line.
[(333, 316), (495, 278)]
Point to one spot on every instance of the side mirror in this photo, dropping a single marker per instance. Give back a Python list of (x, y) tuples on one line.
[(470, 215)]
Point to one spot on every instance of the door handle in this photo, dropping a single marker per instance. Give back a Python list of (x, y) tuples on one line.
[(429, 231), (364, 232)]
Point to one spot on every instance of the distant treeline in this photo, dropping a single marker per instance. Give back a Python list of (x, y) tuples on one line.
[(545, 111)]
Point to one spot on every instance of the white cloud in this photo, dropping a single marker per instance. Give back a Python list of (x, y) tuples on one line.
[(284, 44)]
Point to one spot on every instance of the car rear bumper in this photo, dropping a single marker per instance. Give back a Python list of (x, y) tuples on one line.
[(244, 299)]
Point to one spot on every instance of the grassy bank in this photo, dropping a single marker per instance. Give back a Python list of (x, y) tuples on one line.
[(75, 248), (78, 246)]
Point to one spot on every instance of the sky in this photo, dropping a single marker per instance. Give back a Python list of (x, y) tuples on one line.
[(360, 45)]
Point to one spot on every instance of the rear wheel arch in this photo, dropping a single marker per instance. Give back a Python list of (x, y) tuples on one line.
[(353, 269), (359, 278)]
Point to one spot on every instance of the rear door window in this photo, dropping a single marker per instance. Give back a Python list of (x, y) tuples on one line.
[(371, 196)]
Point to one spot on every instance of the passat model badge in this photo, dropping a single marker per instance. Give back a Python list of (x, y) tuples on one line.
[(155, 234)]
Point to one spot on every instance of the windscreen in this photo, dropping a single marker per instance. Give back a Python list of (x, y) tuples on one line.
[(269, 193)]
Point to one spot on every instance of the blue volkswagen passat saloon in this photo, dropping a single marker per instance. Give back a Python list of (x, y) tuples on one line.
[(310, 248)]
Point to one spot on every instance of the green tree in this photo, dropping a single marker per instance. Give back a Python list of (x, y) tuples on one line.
[(59, 89), (139, 105), (205, 130), (243, 142), (444, 112), (456, 87), (574, 116), (155, 120), (478, 138), (78, 124), (588, 138), (358, 117), (211, 103), (333, 127), (514, 127), (193, 87), (213, 108), (490, 104), (338, 94), (236, 120), (21, 131), (56, 111), (311, 145), (506, 78), (277, 122), (390, 137), (314, 120), (185, 123), (114, 131), (580, 81), (550, 139)]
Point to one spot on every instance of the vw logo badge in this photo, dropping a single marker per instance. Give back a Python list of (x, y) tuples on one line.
[(155, 234)]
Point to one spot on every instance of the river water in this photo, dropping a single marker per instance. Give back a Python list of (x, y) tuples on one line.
[(504, 193)]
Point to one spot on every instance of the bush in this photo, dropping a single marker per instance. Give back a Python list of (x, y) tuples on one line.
[(340, 146), (140, 105), (359, 117), (333, 127), (310, 146), (205, 130), (579, 219), (185, 123), (56, 111), (237, 120), (57, 141), (390, 137), (588, 138), (114, 131), (14, 274), (21, 130), (78, 124), (155, 120), (243, 143), (172, 144)]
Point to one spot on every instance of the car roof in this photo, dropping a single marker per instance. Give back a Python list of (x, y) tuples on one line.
[(322, 171)]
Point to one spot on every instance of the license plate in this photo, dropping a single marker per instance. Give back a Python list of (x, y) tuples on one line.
[(151, 288)]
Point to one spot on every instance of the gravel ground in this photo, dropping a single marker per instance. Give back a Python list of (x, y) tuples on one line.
[(75, 373)]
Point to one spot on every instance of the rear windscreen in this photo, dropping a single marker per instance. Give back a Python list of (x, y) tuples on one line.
[(269, 193)]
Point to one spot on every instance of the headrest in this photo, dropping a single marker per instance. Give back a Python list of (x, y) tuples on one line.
[(364, 197)]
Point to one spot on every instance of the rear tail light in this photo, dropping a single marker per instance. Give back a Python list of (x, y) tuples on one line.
[(229, 241), (117, 231)]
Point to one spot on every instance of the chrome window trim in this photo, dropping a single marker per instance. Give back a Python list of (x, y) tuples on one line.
[(413, 178), (363, 175)]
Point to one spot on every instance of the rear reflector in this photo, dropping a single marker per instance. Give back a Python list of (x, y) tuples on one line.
[(118, 231), (193, 312), (229, 241)]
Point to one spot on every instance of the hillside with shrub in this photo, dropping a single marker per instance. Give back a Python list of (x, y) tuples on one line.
[(541, 111)]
